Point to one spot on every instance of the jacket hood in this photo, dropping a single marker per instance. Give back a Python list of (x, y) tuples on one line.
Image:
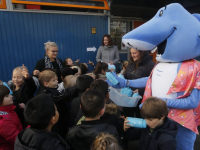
[(31, 139), (168, 127), (111, 108)]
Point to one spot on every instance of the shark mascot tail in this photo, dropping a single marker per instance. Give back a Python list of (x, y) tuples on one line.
[(175, 33)]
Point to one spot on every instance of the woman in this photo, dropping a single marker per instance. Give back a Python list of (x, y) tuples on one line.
[(108, 52), (50, 60), (140, 65)]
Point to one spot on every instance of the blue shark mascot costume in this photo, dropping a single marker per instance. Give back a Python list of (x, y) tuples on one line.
[(176, 35)]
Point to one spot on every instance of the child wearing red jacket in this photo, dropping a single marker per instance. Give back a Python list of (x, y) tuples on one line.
[(10, 124)]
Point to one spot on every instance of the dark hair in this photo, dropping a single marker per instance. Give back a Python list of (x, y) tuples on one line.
[(39, 111), (83, 82), (136, 63), (83, 68), (99, 67), (92, 101), (110, 41), (4, 91), (66, 71), (64, 63), (100, 85), (105, 141), (154, 108)]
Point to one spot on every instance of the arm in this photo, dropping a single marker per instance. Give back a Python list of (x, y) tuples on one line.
[(116, 56), (98, 57), (40, 65), (190, 102), (30, 85), (168, 145)]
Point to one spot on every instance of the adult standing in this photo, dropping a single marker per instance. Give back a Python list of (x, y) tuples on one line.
[(108, 52), (140, 65), (50, 60)]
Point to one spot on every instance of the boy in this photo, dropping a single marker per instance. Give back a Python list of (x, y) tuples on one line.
[(93, 107), (41, 114), (160, 132), (48, 85), (82, 84)]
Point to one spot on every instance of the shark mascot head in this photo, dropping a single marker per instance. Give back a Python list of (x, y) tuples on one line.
[(173, 30)]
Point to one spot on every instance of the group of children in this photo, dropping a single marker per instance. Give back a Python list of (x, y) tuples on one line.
[(75, 114)]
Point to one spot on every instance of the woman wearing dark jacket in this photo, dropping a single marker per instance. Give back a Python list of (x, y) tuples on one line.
[(50, 60), (140, 65)]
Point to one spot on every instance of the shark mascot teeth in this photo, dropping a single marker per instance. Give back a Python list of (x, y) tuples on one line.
[(176, 77)]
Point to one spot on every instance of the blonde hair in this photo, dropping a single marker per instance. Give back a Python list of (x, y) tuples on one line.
[(48, 44), (125, 64), (69, 81), (78, 68), (105, 141), (20, 68), (46, 76)]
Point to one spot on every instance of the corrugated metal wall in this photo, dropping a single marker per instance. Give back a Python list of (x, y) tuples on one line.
[(22, 38)]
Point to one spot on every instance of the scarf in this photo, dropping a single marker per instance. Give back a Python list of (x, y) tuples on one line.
[(48, 62)]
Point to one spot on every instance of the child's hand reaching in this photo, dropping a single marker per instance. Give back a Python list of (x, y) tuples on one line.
[(91, 63), (126, 125), (25, 71), (77, 60), (22, 105)]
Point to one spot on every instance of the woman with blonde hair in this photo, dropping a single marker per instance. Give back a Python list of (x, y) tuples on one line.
[(50, 60)]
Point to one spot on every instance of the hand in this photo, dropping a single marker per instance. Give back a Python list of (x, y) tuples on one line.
[(121, 84), (25, 71), (36, 72), (126, 125), (111, 62), (123, 117), (22, 105), (136, 91), (91, 63), (77, 60)]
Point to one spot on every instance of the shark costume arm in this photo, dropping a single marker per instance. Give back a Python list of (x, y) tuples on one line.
[(190, 102), (138, 83)]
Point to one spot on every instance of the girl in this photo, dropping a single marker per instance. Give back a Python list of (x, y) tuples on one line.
[(100, 70), (69, 63), (10, 124)]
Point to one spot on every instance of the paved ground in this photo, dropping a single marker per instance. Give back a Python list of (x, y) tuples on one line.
[(134, 145)]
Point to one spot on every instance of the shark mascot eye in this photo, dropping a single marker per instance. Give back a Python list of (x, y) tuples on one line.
[(161, 13), (176, 76)]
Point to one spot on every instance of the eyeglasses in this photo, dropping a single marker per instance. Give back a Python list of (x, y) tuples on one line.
[(54, 51)]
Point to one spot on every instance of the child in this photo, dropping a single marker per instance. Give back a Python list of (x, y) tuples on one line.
[(23, 87), (160, 132), (82, 84), (69, 63), (48, 85), (105, 141), (41, 114), (10, 124), (93, 107), (78, 68), (124, 66), (84, 68), (69, 81), (100, 70)]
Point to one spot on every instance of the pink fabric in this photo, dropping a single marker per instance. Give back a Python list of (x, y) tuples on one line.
[(10, 126), (187, 78)]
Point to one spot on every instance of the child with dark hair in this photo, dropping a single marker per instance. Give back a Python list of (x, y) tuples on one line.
[(105, 141), (68, 62), (100, 70), (23, 88), (93, 107), (82, 84), (10, 124), (41, 114), (84, 68), (160, 133), (48, 85)]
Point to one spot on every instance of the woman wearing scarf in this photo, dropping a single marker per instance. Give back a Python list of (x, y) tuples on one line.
[(108, 52), (50, 60)]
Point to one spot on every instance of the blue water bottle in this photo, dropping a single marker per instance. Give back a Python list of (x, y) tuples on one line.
[(126, 91), (111, 78), (137, 122)]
